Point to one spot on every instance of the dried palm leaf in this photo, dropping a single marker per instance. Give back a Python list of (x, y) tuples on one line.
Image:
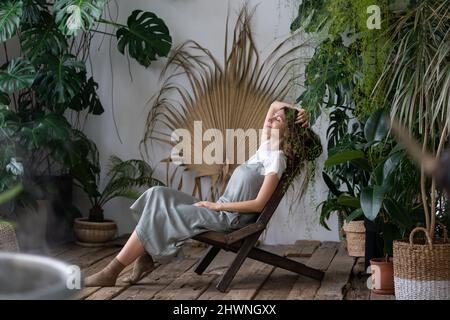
[(233, 95)]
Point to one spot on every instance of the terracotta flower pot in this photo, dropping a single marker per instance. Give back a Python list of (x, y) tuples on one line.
[(382, 276)]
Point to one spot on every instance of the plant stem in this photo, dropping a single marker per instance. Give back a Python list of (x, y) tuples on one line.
[(433, 184), (115, 24), (106, 33), (422, 185)]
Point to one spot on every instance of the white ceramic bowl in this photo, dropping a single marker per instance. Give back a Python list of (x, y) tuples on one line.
[(33, 277)]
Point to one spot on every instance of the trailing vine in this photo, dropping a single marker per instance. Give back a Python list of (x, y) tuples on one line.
[(348, 59)]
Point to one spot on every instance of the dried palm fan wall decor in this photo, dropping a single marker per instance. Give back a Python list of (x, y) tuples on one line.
[(232, 95)]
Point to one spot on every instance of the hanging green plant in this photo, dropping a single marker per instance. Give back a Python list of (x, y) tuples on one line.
[(348, 58)]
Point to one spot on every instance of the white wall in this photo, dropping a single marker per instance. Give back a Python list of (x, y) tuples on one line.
[(203, 21)]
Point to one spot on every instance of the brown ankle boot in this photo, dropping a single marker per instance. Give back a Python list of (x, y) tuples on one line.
[(142, 266), (106, 277)]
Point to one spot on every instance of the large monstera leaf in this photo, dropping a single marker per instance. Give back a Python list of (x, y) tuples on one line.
[(146, 36), (43, 38), (60, 80), (87, 97), (19, 74), (34, 11), (10, 15), (75, 15), (44, 129)]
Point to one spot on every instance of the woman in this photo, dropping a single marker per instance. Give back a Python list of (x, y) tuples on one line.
[(169, 217)]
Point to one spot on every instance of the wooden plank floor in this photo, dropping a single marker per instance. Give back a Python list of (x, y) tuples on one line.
[(344, 276)]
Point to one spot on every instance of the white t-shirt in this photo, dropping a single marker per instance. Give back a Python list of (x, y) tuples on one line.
[(274, 161)]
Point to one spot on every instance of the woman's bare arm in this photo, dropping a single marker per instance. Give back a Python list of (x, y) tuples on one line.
[(256, 205), (274, 108), (302, 116)]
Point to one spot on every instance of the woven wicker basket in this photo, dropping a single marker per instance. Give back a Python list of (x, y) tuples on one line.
[(355, 234), (92, 233), (422, 268), (8, 240)]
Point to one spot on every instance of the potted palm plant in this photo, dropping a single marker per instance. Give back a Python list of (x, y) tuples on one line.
[(124, 177)]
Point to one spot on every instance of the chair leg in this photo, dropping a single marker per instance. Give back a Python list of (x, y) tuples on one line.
[(285, 263), (241, 254), (205, 261)]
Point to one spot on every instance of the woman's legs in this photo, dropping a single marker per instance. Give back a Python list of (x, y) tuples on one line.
[(133, 249)]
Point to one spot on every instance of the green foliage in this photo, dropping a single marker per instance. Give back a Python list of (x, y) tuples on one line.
[(376, 127), (10, 194), (375, 172), (19, 74), (371, 201), (349, 57), (45, 129), (33, 12), (75, 15), (49, 78), (145, 36), (343, 157), (416, 78), (10, 14), (86, 97), (123, 178), (329, 79), (43, 38), (355, 73), (59, 81), (312, 16)]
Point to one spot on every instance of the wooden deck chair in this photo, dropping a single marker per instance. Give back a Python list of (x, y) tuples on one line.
[(243, 241)]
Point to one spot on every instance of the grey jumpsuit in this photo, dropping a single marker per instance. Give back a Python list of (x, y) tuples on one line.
[(167, 218)]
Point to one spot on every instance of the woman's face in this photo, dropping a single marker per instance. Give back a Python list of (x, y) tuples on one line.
[(277, 122)]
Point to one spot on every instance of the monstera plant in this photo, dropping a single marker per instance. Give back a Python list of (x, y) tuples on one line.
[(44, 79)]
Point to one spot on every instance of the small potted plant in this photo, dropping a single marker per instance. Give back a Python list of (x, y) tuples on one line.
[(347, 206), (382, 270), (124, 176)]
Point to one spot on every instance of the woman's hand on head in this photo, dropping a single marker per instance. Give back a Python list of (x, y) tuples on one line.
[(302, 116), (210, 205)]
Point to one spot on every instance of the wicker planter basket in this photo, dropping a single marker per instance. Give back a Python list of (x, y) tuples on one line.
[(355, 234), (94, 233), (422, 268), (8, 240)]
